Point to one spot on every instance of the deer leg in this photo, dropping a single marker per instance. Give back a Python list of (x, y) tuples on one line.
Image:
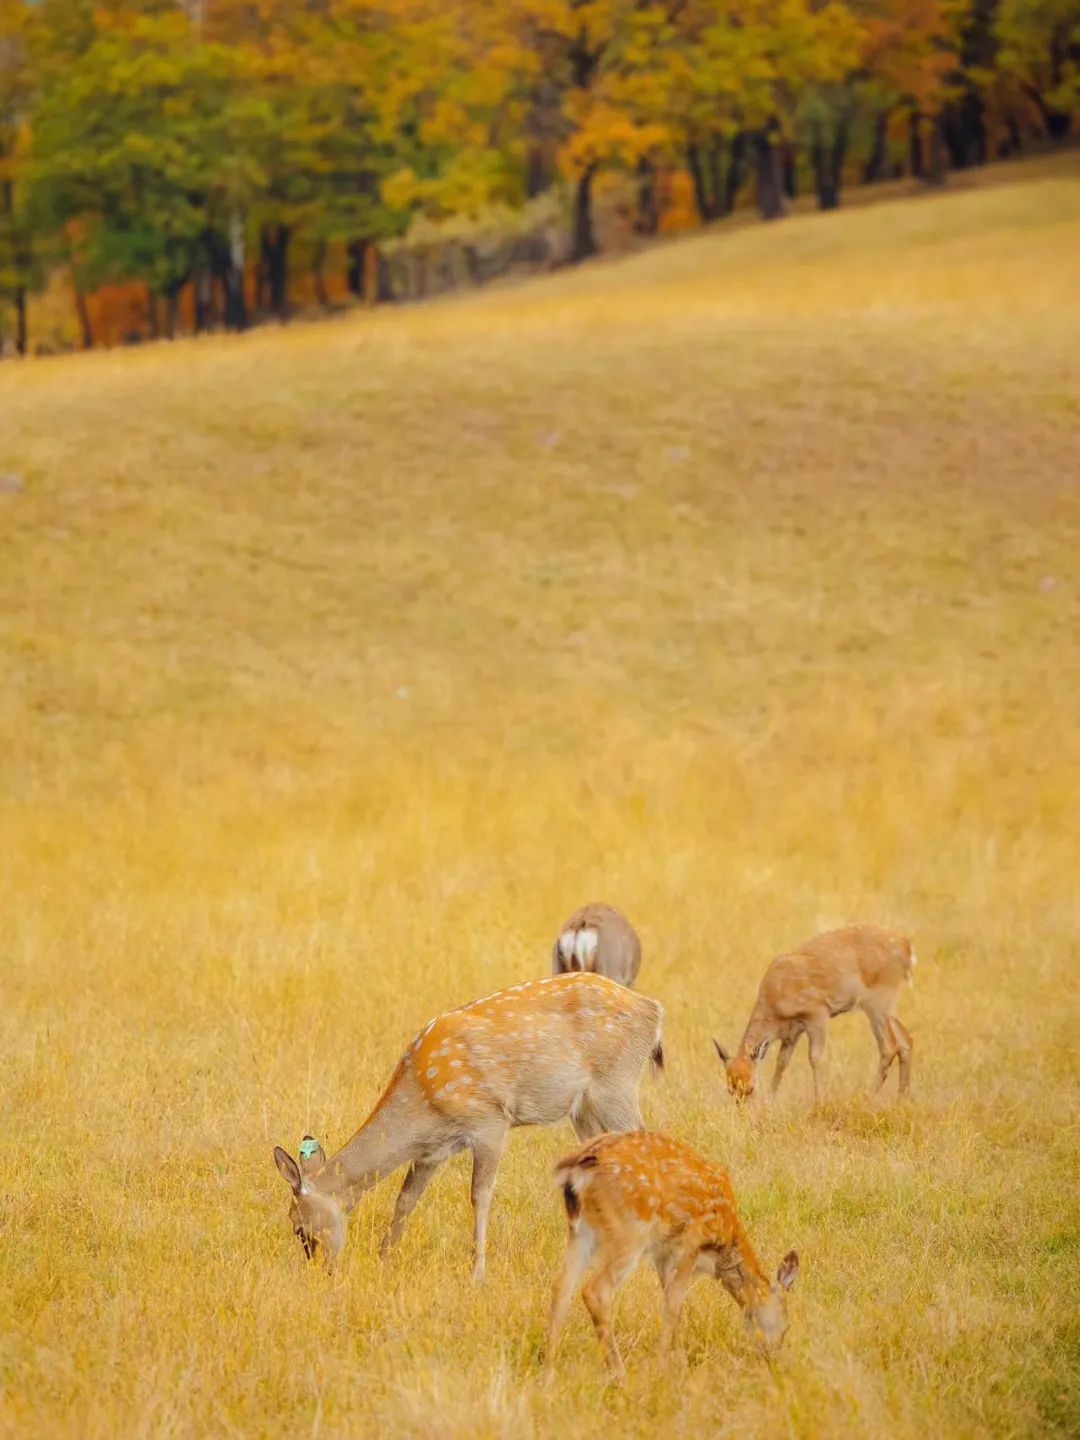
[(579, 1251), (887, 1048), (675, 1279), (815, 1033), (607, 1107), (599, 1297), (787, 1045), (487, 1152), (417, 1178), (904, 1044)]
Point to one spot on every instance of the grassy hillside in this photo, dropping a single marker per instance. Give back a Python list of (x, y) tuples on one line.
[(735, 583)]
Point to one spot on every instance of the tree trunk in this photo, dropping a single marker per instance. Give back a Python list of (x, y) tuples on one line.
[(838, 155), (172, 310), (716, 178), (540, 169), (936, 175), (152, 314), (736, 170), (319, 275), (376, 286), (367, 280), (875, 166), (21, 264), (542, 129), (965, 130), (648, 216), (86, 330), (823, 182), (770, 197), (788, 170), (697, 176), (584, 245), (1056, 123), (21, 330), (356, 250), (274, 243), (236, 317), (204, 301), (915, 145)]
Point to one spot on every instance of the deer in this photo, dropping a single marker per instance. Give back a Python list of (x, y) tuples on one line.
[(600, 939), (861, 966), (642, 1194), (563, 1046)]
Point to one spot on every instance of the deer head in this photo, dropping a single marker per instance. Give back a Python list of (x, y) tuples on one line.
[(741, 1069), (318, 1218), (766, 1315)]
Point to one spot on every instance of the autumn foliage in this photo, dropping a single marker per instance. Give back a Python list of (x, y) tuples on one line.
[(231, 157)]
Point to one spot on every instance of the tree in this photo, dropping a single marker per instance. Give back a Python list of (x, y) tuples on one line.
[(1040, 50), (17, 267), (128, 140), (911, 48)]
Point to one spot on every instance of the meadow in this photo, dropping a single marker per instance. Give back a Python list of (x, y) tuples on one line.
[(736, 583)]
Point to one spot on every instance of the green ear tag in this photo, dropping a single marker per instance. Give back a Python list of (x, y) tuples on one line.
[(308, 1148)]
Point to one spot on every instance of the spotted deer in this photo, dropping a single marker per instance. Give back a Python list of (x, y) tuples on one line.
[(600, 939), (570, 1045), (635, 1195), (860, 967)]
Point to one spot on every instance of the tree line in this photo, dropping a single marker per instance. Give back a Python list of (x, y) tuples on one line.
[(198, 143)]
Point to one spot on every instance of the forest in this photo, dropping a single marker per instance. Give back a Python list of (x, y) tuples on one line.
[(220, 156)]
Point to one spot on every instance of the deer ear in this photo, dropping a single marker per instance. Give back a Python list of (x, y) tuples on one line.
[(290, 1171), (761, 1051), (789, 1268), (724, 1056), (312, 1155)]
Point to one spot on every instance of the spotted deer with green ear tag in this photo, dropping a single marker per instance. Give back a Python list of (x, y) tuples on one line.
[(570, 1046)]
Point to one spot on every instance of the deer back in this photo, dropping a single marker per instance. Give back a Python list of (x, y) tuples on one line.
[(529, 1052), (598, 938), (835, 971), (644, 1180)]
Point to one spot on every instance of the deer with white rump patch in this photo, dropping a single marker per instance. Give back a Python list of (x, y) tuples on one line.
[(567, 1046), (860, 967), (643, 1195), (600, 939)]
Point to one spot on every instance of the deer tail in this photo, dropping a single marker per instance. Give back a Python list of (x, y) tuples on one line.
[(912, 961), (574, 1174)]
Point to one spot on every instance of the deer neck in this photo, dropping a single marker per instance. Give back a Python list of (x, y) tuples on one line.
[(380, 1146), (758, 1028), (741, 1273)]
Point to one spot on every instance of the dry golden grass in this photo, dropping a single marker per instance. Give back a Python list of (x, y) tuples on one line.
[(737, 584)]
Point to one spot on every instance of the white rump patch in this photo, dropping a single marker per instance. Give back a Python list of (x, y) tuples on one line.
[(566, 946), (585, 947)]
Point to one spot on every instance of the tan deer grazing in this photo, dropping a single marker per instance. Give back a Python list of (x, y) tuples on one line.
[(859, 967), (629, 1196), (600, 939), (571, 1045)]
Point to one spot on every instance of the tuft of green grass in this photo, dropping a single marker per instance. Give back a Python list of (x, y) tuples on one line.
[(735, 583)]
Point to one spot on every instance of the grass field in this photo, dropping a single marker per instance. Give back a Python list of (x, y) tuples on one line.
[(737, 583)]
